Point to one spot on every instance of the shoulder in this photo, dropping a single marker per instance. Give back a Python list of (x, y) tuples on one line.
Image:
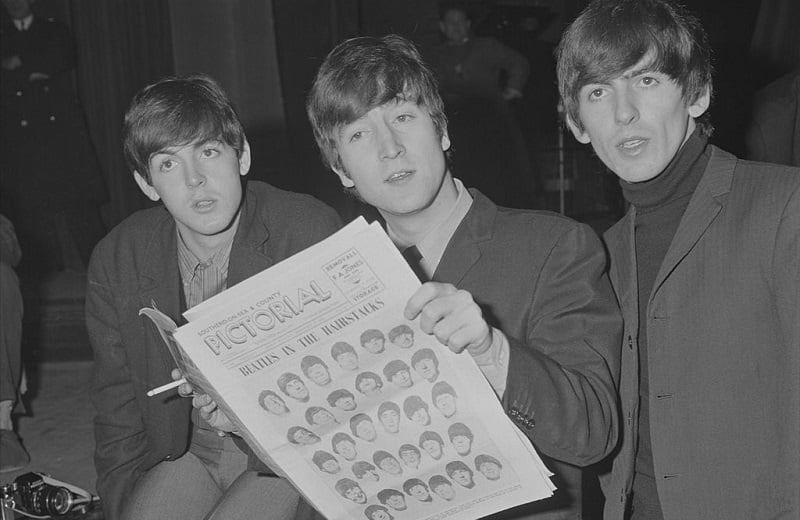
[(133, 236)]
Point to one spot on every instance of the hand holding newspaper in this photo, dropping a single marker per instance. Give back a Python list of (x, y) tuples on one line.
[(316, 366)]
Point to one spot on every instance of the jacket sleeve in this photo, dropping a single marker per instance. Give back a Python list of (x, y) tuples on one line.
[(786, 269), (561, 384), (120, 442), (513, 63)]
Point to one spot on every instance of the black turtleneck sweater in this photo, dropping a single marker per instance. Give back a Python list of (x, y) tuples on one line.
[(660, 204)]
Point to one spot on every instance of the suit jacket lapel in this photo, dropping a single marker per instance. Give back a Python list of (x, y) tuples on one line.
[(476, 228), (703, 208)]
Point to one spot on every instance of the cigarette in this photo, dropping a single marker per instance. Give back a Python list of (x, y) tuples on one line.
[(164, 388)]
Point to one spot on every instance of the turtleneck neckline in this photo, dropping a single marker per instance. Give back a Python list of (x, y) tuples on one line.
[(678, 179)]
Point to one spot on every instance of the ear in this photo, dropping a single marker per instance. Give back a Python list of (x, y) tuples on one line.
[(244, 159), (149, 191), (699, 107), (579, 134), (345, 179), (445, 141)]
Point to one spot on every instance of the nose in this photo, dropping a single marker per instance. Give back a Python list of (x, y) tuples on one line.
[(625, 110), (391, 145), (195, 175)]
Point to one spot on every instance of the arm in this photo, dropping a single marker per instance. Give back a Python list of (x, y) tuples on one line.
[(515, 65), (786, 269), (562, 376), (119, 429)]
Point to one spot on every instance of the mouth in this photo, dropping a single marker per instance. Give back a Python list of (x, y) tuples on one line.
[(632, 145), (399, 176), (203, 205)]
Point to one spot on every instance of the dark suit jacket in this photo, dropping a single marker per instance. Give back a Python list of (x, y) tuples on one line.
[(135, 266), (723, 343), (541, 279)]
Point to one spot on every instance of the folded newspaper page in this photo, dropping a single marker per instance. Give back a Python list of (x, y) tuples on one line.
[(334, 389)]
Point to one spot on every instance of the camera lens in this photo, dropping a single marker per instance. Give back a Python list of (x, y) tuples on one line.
[(52, 500)]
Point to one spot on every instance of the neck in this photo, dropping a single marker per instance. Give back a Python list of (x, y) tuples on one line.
[(411, 228), (206, 246)]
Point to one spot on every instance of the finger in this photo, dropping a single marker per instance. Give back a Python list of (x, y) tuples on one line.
[(425, 294), (186, 390), (201, 400)]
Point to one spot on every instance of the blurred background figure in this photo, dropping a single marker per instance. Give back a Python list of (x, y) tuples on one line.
[(12, 454), (480, 80), (51, 186), (773, 134)]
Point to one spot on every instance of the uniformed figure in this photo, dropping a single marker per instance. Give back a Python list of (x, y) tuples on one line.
[(50, 182)]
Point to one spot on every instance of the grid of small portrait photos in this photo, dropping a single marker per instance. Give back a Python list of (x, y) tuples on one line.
[(379, 418)]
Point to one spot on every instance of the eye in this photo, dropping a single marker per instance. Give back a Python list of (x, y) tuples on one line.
[(166, 165), (648, 81), (356, 136), (210, 152), (595, 94), (403, 118)]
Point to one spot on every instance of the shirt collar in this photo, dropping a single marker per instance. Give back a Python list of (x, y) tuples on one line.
[(24, 23), (433, 244)]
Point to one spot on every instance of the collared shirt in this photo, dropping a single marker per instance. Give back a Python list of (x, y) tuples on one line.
[(202, 279), (24, 23), (494, 361)]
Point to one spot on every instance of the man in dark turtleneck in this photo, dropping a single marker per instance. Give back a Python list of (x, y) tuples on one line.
[(706, 267)]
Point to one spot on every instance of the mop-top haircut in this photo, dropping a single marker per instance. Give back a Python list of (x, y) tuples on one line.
[(611, 36), (177, 111), (363, 73)]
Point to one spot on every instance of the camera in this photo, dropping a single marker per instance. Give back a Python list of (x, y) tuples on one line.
[(41, 495)]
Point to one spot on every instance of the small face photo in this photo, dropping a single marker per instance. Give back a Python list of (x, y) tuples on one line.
[(369, 383), (432, 443), (443, 397), (291, 385), (350, 490), (342, 399), (362, 427), (387, 462), (489, 466), (402, 336), (398, 373), (373, 341), (389, 416), (344, 445), (426, 364), (316, 370), (376, 512), (417, 410), (345, 356), (418, 489), (319, 416), (461, 438), (326, 462), (272, 402), (440, 485), (393, 498), (460, 473), (410, 455), (364, 470), (302, 436)]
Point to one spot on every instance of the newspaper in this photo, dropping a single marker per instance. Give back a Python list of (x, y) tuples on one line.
[(335, 390)]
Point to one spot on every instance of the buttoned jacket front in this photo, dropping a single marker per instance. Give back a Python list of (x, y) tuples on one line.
[(723, 338)]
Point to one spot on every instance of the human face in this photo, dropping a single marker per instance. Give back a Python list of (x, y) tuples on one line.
[(200, 186), (402, 378), (427, 369), (462, 444), (421, 416), (305, 437), (356, 494), (366, 430), (463, 477), (380, 514), (445, 491), (636, 122), (346, 449), (404, 341), (368, 386), (446, 403), (371, 475), (391, 465), (331, 466), (297, 389), (396, 502), (319, 374), (455, 26), (348, 360), (394, 158), (323, 417), (374, 345), (275, 404), (419, 492), (490, 470), (433, 448), (390, 421), (411, 458), (346, 403)]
